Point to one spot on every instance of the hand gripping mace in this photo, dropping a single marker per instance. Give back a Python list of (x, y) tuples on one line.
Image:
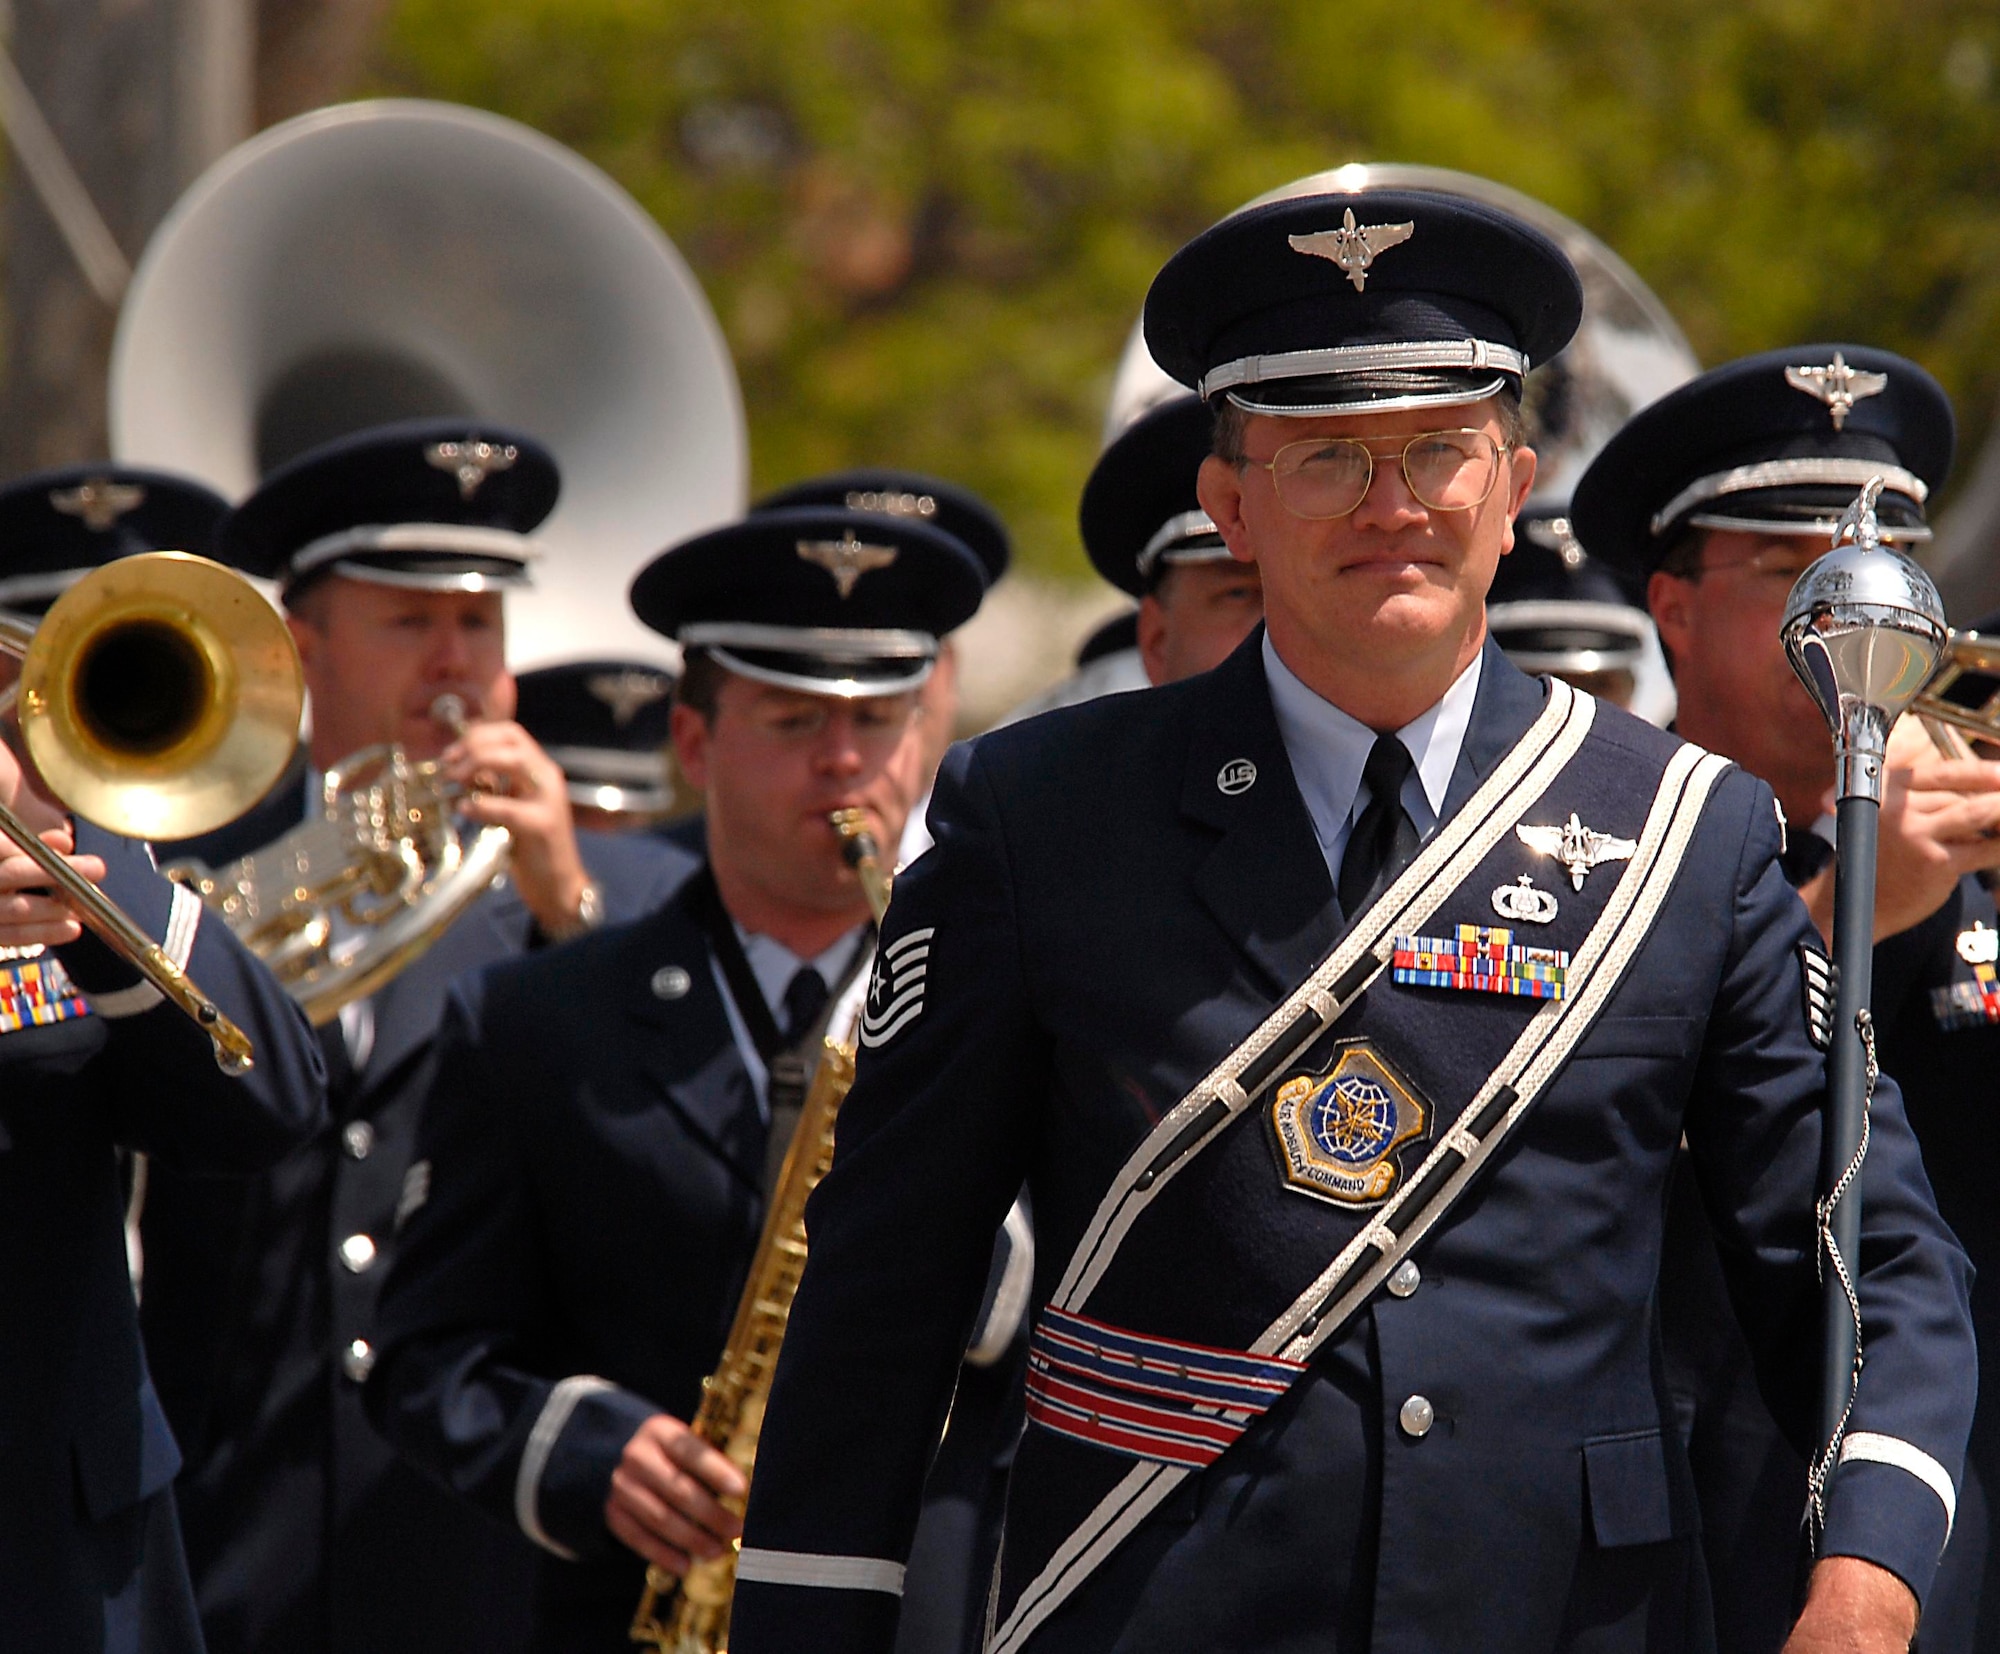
[(1864, 630)]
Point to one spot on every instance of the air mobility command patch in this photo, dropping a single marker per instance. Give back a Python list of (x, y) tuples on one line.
[(1482, 960), (1338, 1132)]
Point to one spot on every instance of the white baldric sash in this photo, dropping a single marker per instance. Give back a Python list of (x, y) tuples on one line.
[(1501, 1103)]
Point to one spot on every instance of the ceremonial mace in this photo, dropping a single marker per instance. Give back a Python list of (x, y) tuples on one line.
[(1864, 630)]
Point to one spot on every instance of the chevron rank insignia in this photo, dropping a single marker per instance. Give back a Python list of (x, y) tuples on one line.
[(1816, 975), (1482, 960), (896, 987), (1338, 1132)]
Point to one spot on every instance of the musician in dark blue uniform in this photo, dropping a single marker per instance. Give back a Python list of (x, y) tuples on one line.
[(1720, 495), (306, 1534), (93, 1063), (1344, 1008), (608, 1117)]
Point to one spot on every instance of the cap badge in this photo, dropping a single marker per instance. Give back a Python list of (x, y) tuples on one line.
[(99, 501), (627, 693), (847, 559), (471, 461), (886, 502), (1354, 247), (1523, 903), (1577, 847), (1838, 386)]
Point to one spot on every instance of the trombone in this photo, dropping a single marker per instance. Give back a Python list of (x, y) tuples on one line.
[(1963, 696), (158, 698)]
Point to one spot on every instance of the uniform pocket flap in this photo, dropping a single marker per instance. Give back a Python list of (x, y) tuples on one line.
[(125, 1453), (1631, 1502)]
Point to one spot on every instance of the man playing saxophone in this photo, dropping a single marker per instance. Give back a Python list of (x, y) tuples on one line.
[(609, 1117), (394, 549)]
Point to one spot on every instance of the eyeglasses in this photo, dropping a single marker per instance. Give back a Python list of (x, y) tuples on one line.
[(1329, 476)]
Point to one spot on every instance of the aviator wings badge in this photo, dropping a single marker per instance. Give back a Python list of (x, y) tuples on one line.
[(1577, 847), (846, 559), (1354, 247), (1838, 386), (99, 501), (471, 462)]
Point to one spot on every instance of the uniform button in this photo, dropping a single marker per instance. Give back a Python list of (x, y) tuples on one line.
[(1416, 1416), (671, 982), (357, 1137), (357, 1254), (1405, 1278), (357, 1361)]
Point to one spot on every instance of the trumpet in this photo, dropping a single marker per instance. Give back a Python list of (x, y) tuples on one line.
[(158, 698)]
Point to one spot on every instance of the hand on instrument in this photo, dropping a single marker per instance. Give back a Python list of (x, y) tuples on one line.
[(666, 1494), (1854, 1607), (28, 915), (520, 787), (1940, 820)]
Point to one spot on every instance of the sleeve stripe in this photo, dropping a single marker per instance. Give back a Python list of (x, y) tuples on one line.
[(183, 921), (125, 1002), (831, 1573), (549, 1425), (1870, 1448)]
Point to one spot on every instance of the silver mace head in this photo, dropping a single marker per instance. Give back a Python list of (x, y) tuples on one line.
[(1864, 630)]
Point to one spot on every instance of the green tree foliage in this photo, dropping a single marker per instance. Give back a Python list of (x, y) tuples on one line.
[(927, 225)]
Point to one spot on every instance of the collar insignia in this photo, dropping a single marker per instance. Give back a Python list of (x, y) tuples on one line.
[(1354, 247), (99, 501), (1838, 386), (1338, 1131), (628, 693), (1577, 847), (471, 461), (884, 502), (847, 559)]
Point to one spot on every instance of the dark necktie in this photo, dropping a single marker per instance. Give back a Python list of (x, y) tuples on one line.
[(805, 998), (1385, 838)]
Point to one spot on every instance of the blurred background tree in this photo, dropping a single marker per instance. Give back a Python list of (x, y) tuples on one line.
[(928, 225)]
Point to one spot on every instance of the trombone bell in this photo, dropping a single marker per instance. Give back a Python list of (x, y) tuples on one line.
[(160, 696)]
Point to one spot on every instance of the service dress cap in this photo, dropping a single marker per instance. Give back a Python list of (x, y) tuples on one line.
[(1773, 444), (815, 598), (439, 505), (1140, 513), (56, 526), (605, 722), (880, 492), (1554, 608), (1362, 303)]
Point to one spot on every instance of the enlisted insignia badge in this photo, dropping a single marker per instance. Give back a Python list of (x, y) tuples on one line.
[(1338, 1131), (1816, 980), (1980, 945), (846, 559), (628, 693), (99, 501), (1577, 847), (1239, 775), (36, 992), (1523, 903), (471, 461), (1354, 247), (896, 987), (1482, 961), (891, 502), (1838, 386)]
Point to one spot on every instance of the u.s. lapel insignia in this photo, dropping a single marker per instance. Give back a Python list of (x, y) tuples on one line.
[(1523, 903), (1236, 777), (1980, 945), (1354, 247), (471, 461), (1577, 847), (1338, 1131), (1816, 983), (99, 501), (846, 559), (1838, 386), (1480, 960)]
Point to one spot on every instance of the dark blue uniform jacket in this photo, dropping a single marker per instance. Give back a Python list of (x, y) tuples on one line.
[(1111, 910), (305, 1533), (89, 1557)]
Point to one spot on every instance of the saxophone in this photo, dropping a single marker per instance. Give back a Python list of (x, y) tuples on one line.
[(691, 1616)]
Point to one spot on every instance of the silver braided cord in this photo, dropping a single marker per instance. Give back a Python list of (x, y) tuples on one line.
[(1825, 1253)]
